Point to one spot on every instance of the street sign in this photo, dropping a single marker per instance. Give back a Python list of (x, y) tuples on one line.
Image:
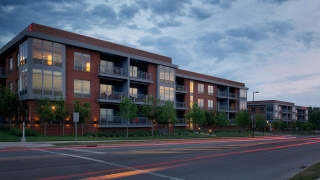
[(75, 117)]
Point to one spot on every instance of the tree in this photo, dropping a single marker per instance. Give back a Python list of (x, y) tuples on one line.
[(209, 118), (128, 111), (221, 119), (243, 118), (45, 110), (61, 111), (276, 124), (83, 110), (168, 114), (307, 126), (196, 115), (8, 103), (282, 124), (260, 121), (314, 116), (151, 109)]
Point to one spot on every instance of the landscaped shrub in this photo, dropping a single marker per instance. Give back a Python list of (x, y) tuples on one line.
[(18, 132)]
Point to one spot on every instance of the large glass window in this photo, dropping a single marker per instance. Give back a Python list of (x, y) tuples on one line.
[(269, 108), (200, 88), (134, 92), (23, 49), (23, 81), (133, 71), (243, 104), (243, 93), (46, 82), (167, 75), (201, 103), (191, 86), (81, 89), (81, 62), (210, 104), (210, 90), (10, 64), (166, 93), (46, 52)]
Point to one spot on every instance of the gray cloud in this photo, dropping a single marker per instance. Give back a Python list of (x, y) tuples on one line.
[(154, 31), (225, 4), (200, 13), (310, 39), (168, 23), (128, 12), (273, 1), (164, 7)]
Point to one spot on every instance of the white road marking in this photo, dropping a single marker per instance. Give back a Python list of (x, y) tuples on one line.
[(81, 150), (110, 163)]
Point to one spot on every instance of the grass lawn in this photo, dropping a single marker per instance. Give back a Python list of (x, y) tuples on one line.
[(310, 173), (5, 137)]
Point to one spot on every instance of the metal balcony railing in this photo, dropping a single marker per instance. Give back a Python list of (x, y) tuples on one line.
[(181, 88), (222, 94), (117, 120), (141, 75), (114, 71), (233, 95), (232, 121), (180, 104), (138, 97), (181, 121), (222, 108), (233, 108), (108, 95)]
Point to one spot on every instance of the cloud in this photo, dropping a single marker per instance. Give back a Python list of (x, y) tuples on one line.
[(274, 1), (154, 31), (168, 23), (225, 4), (200, 13), (164, 7), (310, 39), (128, 12)]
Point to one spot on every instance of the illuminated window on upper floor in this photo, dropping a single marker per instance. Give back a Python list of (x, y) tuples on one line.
[(200, 88), (46, 52), (82, 62), (167, 75), (243, 93), (46, 82), (210, 90), (81, 89), (191, 86), (166, 93), (23, 50)]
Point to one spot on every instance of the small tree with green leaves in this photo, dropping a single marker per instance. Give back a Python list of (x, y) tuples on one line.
[(260, 121), (243, 119), (8, 103), (61, 111), (45, 109), (221, 119), (210, 115), (307, 126), (195, 116), (151, 109), (83, 110), (128, 111), (168, 114), (282, 124), (275, 124)]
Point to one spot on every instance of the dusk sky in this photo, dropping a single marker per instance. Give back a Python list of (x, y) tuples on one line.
[(273, 46)]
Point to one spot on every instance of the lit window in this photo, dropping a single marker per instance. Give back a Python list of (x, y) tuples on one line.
[(81, 89), (210, 104), (201, 103), (210, 90), (82, 62), (200, 88), (167, 75), (46, 52)]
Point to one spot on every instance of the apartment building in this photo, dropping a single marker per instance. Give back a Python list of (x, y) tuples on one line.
[(273, 109), (43, 61)]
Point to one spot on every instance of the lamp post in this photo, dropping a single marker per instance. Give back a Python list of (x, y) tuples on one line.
[(253, 120)]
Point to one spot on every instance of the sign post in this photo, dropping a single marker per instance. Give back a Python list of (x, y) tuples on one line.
[(76, 120)]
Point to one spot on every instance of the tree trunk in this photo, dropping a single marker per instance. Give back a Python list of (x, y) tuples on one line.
[(62, 128), (195, 135), (152, 130), (45, 128), (127, 129), (169, 130)]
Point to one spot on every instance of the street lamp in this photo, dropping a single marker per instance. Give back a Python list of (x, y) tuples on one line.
[(253, 120)]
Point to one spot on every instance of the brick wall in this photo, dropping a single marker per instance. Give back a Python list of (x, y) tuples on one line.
[(152, 88), (14, 75)]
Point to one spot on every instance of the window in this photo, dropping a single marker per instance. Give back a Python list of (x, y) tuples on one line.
[(46, 82), (269, 108), (200, 88), (191, 86), (243, 93), (17, 85), (253, 109), (191, 101), (133, 92), (105, 88), (210, 104), (10, 86), (10, 65), (269, 116), (210, 90), (106, 67), (23, 50), (81, 89), (81, 62), (23, 81), (166, 93), (243, 105), (134, 71), (167, 75), (106, 115), (201, 103), (261, 109), (46, 52)]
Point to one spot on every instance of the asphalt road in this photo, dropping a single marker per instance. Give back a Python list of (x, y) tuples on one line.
[(241, 158)]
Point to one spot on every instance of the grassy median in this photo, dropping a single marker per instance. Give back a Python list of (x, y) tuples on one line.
[(310, 173)]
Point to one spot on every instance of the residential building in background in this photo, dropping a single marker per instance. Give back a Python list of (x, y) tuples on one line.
[(273, 109), (43, 61)]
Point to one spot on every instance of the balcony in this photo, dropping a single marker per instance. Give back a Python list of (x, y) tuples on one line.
[(57, 93), (232, 121), (233, 95), (233, 108), (112, 71), (117, 121), (2, 72), (107, 96), (139, 75), (181, 89), (222, 108), (286, 119), (138, 98), (222, 94), (181, 105), (286, 111), (181, 122)]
